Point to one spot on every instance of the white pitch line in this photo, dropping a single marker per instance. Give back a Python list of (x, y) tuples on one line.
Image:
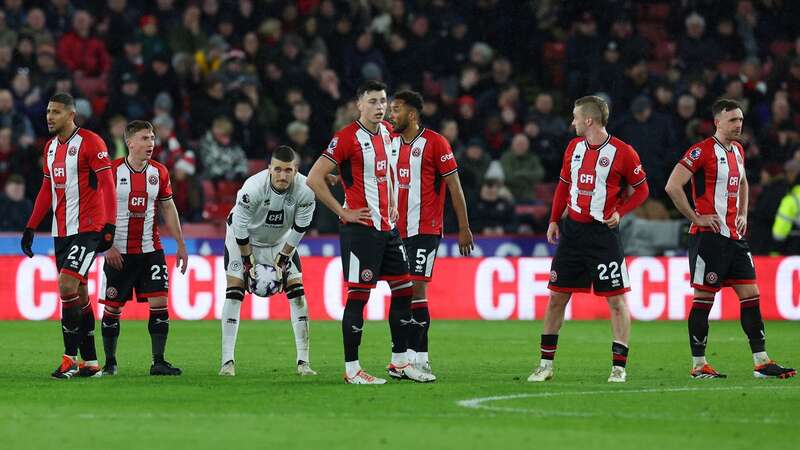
[(481, 403)]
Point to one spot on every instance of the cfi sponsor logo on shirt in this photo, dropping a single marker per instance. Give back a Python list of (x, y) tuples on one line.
[(450, 156)]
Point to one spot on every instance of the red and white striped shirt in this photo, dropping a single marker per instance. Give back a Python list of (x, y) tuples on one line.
[(72, 168), (137, 207), (596, 177), (362, 157), (715, 185), (419, 168)]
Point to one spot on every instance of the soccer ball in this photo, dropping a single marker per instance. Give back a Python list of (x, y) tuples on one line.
[(266, 282)]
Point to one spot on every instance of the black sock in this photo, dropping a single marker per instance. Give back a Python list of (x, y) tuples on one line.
[(619, 354), (400, 317), (353, 323), (418, 337), (752, 324), (158, 326), (110, 331), (548, 346), (87, 347), (698, 324), (71, 324)]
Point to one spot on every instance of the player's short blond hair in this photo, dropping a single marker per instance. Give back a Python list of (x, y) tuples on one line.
[(594, 107)]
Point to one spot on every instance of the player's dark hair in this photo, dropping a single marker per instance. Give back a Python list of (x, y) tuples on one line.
[(135, 127), (410, 98), (284, 153), (724, 105), (369, 86), (63, 98)]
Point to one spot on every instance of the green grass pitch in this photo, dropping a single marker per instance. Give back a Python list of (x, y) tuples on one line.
[(267, 406)]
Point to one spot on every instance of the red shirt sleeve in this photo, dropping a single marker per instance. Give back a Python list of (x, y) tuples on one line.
[(340, 147), (164, 184), (96, 154), (445, 160), (694, 158), (633, 170), (45, 168)]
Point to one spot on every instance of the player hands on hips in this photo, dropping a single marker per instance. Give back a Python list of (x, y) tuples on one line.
[(135, 264), (423, 165), (595, 170), (371, 246), (719, 255), (79, 189), (273, 210)]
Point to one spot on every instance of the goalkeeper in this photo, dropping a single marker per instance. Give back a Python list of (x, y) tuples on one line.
[(273, 210)]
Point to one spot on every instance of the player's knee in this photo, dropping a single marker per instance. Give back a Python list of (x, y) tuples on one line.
[(67, 285), (746, 291), (235, 282), (558, 299), (296, 294), (420, 289), (235, 293), (157, 302), (617, 302), (112, 310)]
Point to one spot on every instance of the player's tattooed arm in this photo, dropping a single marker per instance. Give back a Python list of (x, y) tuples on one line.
[(674, 188)]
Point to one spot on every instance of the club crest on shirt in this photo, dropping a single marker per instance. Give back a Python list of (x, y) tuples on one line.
[(153, 180), (739, 158), (604, 161), (695, 153), (332, 145), (72, 151), (416, 152)]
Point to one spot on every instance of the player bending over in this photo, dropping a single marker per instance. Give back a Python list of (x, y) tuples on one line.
[(273, 211)]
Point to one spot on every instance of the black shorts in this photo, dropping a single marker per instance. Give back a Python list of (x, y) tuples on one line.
[(589, 254), (369, 255), (145, 273), (421, 250), (716, 261), (75, 254)]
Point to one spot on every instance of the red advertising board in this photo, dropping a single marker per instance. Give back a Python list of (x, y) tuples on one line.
[(463, 288)]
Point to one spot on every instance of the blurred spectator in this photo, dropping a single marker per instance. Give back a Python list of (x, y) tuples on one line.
[(129, 102), (152, 42), (159, 77), (59, 16), (297, 132), (492, 215), (188, 37), (131, 60), (8, 155), (115, 140), (208, 106), (450, 132), (6, 64), (15, 207), (167, 149), (222, 158), (632, 47), (246, 130), (28, 100), (8, 36), (584, 49), (473, 164), (695, 48), (544, 113), (522, 168), (19, 124), (651, 135), (776, 181), (549, 149), (85, 55)]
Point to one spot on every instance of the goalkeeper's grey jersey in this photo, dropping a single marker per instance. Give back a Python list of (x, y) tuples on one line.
[(265, 215)]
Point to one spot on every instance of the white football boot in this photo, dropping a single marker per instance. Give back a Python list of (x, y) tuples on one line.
[(617, 375), (541, 373), (304, 369), (409, 372), (228, 369), (363, 378)]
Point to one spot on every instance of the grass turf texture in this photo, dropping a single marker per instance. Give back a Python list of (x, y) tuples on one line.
[(268, 406)]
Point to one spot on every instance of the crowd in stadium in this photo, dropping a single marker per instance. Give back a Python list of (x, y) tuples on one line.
[(226, 82)]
